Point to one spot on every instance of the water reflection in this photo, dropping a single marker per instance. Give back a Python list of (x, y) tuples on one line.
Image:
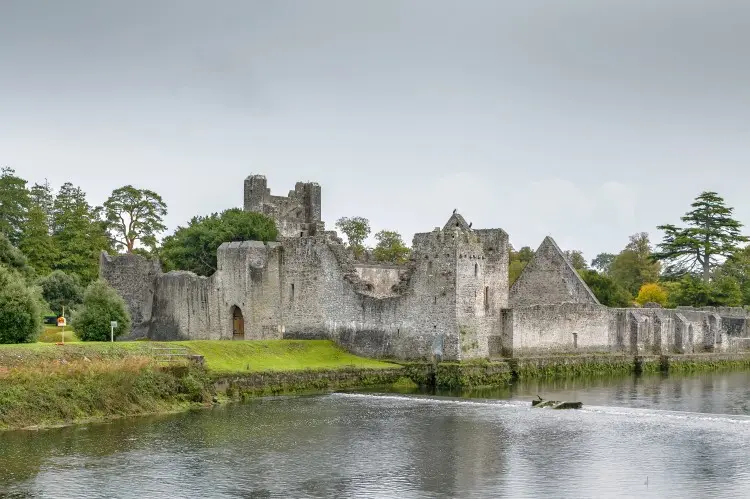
[(646, 437)]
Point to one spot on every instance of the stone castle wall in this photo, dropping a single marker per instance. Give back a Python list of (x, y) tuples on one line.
[(451, 300), (583, 327), (382, 277), (307, 287)]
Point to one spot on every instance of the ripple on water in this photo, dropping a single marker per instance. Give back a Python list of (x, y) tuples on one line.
[(385, 445)]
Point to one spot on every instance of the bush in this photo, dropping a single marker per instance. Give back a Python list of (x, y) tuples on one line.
[(101, 304), (652, 293), (20, 314), (61, 290)]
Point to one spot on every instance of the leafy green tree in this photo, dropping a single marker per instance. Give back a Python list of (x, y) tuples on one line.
[(42, 196), (606, 290), (518, 261), (603, 262), (692, 291), (79, 233), (61, 290), (194, 247), (525, 254), (20, 314), (134, 215), (101, 305), (37, 242), (356, 230), (576, 259), (710, 234), (12, 258), (390, 247), (634, 266), (14, 204), (737, 266)]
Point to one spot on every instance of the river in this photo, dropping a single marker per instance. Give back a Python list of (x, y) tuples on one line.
[(635, 437)]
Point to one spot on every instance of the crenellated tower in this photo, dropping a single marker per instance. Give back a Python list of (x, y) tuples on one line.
[(297, 214)]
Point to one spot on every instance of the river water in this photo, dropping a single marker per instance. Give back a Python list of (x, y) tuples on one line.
[(635, 437)]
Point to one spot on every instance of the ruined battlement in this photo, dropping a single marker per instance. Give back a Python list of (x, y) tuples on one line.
[(451, 300), (298, 214)]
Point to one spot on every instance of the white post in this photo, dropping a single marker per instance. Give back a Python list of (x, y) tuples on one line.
[(112, 332)]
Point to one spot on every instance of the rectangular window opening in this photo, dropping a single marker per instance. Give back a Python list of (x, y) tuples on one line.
[(486, 298)]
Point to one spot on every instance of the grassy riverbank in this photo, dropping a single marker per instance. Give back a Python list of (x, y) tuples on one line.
[(47, 384), (44, 384)]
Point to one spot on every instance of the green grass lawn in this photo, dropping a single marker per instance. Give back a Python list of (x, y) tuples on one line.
[(277, 355), (53, 334), (220, 356)]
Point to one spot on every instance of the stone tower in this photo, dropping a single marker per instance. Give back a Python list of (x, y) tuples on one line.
[(297, 214), (461, 283)]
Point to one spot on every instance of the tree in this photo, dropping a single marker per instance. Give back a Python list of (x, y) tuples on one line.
[(194, 247), (37, 242), (603, 262), (14, 203), (134, 215), (42, 196), (634, 266), (79, 233), (12, 258), (606, 290), (101, 305), (518, 261), (61, 290), (651, 293), (390, 248), (576, 259), (356, 230), (20, 313), (737, 267), (711, 233), (692, 291)]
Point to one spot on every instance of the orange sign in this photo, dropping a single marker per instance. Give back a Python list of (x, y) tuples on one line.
[(60, 321)]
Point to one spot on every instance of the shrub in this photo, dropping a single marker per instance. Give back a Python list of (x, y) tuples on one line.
[(652, 293), (61, 290), (101, 304), (20, 315)]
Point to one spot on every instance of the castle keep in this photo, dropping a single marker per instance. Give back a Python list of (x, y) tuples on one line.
[(452, 299)]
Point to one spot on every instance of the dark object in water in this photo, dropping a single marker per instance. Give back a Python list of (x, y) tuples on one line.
[(555, 404)]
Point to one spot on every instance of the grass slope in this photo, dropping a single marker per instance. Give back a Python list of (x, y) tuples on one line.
[(277, 355), (221, 357)]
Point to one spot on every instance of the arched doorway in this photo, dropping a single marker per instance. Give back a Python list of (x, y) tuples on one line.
[(238, 324)]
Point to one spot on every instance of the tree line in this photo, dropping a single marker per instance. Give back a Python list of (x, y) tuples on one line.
[(702, 262), (50, 241)]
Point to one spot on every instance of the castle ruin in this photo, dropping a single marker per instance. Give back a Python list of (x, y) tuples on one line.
[(451, 300)]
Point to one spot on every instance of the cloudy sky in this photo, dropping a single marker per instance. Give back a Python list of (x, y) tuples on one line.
[(585, 120)]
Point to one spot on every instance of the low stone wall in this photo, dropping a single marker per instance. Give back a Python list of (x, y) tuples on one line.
[(566, 327), (288, 382), (580, 328)]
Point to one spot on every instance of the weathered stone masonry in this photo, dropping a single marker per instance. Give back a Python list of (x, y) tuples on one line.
[(449, 297), (452, 298)]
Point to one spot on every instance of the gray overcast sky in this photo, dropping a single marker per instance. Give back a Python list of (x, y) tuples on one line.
[(586, 120)]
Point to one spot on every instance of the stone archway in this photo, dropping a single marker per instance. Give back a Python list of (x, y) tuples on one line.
[(238, 324)]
